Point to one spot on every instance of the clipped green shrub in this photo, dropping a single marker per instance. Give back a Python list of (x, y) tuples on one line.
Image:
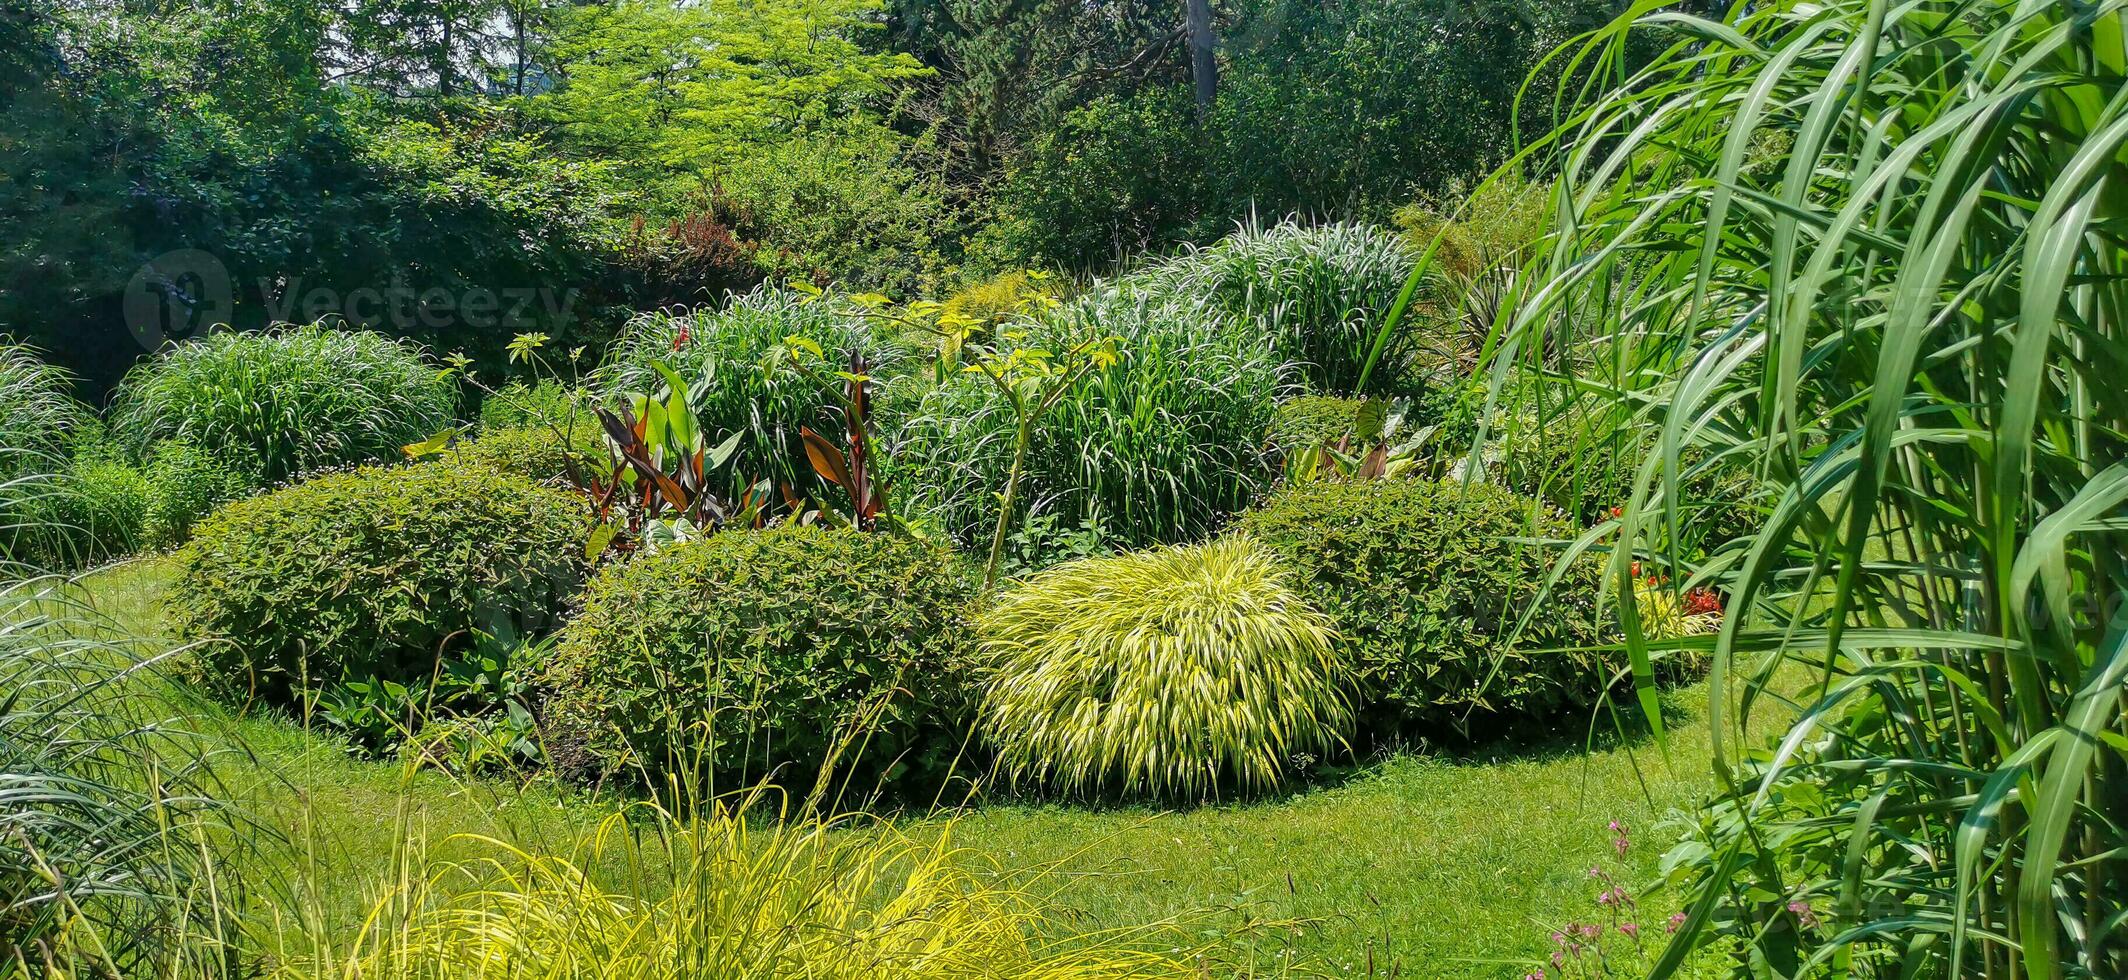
[(518, 405), (1430, 585), (540, 451), (372, 572), (1313, 420), (1317, 293), (1170, 673), (735, 360), (1160, 447), (751, 654), (184, 484), (94, 511), (289, 400)]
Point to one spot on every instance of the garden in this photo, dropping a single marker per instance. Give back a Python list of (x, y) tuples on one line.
[(1669, 541)]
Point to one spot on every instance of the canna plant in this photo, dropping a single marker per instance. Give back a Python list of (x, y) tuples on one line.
[(1875, 252), (659, 486)]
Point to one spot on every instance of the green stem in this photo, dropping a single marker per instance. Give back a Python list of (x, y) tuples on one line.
[(1005, 504)]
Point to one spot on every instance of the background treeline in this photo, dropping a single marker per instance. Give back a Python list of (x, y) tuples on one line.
[(628, 154)]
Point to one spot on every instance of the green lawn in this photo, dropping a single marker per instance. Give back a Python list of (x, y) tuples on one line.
[(1417, 866)]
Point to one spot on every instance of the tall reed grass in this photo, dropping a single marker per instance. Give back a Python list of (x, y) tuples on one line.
[(1874, 253), (114, 845)]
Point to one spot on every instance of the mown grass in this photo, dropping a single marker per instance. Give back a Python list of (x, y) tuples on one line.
[(1422, 865)]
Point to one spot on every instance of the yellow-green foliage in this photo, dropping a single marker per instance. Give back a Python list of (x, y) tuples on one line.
[(1002, 297), (540, 451), (1480, 229), (1310, 421), (738, 896), (1169, 672), (374, 571)]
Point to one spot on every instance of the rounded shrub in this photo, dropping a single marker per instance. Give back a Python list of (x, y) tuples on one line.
[(290, 400), (1160, 447), (372, 572), (773, 653), (736, 362), (94, 511), (1431, 584), (1167, 673), (185, 483), (540, 451), (1318, 294), (1310, 421)]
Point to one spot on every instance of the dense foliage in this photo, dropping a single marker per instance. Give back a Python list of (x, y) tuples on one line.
[(1319, 295), (1311, 421), (287, 401), (556, 453), (1159, 446), (785, 654), (374, 572), (1176, 673), (738, 362), (1875, 251), (111, 814), (1435, 587)]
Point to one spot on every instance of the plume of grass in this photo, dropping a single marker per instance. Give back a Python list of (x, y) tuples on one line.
[(1167, 673), (284, 401), (1875, 252), (40, 417)]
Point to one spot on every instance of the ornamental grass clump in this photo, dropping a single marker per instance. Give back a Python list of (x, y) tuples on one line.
[(285, 401), (1316, 294), (735, 890), (1160, 445), (1175, 673)]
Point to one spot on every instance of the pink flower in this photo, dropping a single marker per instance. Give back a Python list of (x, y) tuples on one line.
[(1588, 930), (1614, 896), (1539, 975), (1621, 844), (1804, 916), (1677, 921), (1630, 929), (1596, 874)]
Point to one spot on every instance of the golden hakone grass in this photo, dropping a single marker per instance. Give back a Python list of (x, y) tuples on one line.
[(1172, 673)]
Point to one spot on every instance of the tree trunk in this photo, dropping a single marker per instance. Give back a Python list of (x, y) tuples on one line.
[(1204, 66)]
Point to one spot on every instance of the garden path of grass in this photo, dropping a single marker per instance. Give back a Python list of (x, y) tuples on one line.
[(1417, 866)]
